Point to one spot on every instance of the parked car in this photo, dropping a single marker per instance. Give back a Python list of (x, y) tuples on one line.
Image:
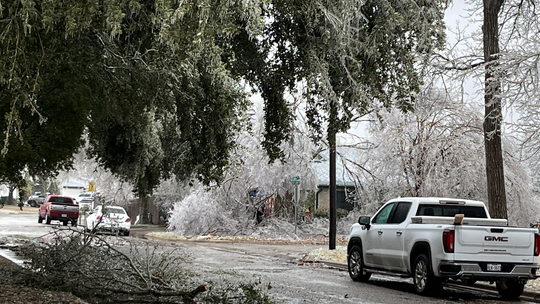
[(37, 199), (86, 204), (112, 219), (84, 195), (59, 208)]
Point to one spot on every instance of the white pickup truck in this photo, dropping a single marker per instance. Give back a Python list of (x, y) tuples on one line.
[(434, 240)]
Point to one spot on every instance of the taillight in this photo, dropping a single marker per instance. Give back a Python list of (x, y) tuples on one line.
[(128, 220), (99, 217), (448, 241), (536, 244)]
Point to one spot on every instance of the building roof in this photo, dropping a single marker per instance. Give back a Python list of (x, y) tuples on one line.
[(72, 182), (343, 178)]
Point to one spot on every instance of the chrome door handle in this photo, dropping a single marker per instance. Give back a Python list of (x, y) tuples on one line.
[(399, 232), (379, 232)]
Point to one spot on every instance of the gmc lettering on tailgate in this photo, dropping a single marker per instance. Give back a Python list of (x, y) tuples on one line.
[(489, 238)]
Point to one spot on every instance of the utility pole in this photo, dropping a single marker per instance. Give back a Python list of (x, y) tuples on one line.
[(332, 130)]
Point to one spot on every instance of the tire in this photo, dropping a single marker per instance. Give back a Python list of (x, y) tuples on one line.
[(425, 283), (126, 233), (47, 219), (73, 223), (64, 223), (355, 262), (510, 289), (40, 219), (32, 204)]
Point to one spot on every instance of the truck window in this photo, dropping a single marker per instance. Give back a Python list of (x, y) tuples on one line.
[(451, 211), (384, 214), (61, 200), (400, 213)]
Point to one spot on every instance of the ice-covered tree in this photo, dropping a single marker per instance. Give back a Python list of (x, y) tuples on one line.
[(505, 62), (149, 79), (436, 150), (228, 208), (109, 186)]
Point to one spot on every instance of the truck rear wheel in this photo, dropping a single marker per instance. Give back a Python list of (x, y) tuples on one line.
[(40, 219), (355, 262), (423, 279), (510, 289)]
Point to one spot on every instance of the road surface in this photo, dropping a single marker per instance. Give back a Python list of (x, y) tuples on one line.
[(272, 265)]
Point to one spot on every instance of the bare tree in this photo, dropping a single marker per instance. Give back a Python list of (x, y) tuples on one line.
[(436, 150), (506, 59)]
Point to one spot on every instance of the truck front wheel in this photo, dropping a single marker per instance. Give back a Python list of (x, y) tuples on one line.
[(356, 265), (423, 279), (510, 289)]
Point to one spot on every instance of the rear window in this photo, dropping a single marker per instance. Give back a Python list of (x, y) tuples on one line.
[(61, 200), (115, 210), (451, 211)]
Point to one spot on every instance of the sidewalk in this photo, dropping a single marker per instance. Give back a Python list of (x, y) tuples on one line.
[(16, 209)]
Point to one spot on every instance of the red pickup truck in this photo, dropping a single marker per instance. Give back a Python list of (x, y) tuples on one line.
[(59, 208)]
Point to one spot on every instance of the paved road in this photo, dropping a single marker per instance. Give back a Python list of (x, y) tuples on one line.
[(275, 266)]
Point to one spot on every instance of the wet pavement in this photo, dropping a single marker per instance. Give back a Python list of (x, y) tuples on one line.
[(274, 266)]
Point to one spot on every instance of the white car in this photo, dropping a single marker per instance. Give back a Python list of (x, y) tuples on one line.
[(86, 204), (84, 195), (113, 219)]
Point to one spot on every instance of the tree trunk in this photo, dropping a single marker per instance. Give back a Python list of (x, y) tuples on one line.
[(10, 200), (143, 211), (493, 114)]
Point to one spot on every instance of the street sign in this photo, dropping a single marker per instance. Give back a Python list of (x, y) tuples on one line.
[(295, 180), (91, 187)]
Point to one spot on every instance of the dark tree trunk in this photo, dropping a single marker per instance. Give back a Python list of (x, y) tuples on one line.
[(143, 211), (493, 115), (10, 200)]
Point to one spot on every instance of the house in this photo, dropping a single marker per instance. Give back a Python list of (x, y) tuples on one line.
[(73, 186), (345, 183)]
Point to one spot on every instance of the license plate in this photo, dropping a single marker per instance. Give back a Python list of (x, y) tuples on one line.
[(64, 215), (493, 267), (114, 220)]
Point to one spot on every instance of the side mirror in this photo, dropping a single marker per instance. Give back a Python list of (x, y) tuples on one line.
[(365, 221)]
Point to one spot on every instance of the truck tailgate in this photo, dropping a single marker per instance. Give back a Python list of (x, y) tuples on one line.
[(71, 209), (494, 243)]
